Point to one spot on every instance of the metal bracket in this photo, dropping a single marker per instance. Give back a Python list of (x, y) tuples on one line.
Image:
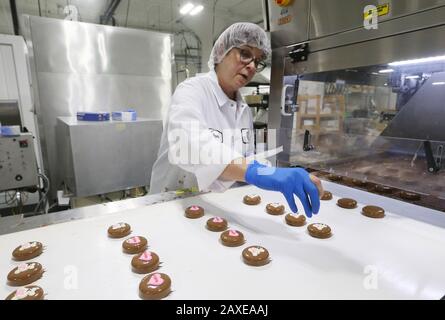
[(299, 52), (431, 162), (307, 146)]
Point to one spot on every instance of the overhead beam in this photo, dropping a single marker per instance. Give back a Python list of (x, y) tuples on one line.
[(109, 12)]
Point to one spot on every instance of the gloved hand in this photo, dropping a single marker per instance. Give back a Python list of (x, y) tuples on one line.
[(288, 181)]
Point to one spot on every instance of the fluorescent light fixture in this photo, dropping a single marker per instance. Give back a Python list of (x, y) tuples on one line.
[(417, 61), (196, 10), (440, 83), (412, 77), (386, 71), (186, 8)]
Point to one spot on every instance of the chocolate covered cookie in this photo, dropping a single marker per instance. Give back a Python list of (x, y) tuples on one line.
[(275, 209), (134, 245), (326, 196), (194, 212), (25, 273), (319, 230), (295, 219), (256, 256), (217, 224), (252, 199), (145, 262), (373, 212), (119, 230), (347, 203), (155, 286), (232, 238), (27, 251), (27, 293)]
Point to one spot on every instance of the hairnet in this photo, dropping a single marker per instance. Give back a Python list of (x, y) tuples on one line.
[(238, 34)]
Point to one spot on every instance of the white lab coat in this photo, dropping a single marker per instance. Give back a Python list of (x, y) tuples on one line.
[(225, 127)]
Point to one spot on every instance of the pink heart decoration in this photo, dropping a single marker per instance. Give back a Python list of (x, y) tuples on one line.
[(194, 208), (156, 280), (134, 240), (146, 256), (233, 233), (22, 267), (21, 292), (217, 220)]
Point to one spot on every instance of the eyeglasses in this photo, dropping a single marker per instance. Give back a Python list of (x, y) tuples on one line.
[(246, 57)]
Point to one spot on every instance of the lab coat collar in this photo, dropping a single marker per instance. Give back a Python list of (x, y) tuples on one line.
[(220, 94)]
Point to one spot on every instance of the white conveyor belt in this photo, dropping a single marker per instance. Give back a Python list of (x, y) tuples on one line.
[(401, 256)]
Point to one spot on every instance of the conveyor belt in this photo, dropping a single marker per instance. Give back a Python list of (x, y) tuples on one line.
[(398, 257)]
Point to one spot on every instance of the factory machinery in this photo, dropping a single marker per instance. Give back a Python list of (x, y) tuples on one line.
[(357, 93)]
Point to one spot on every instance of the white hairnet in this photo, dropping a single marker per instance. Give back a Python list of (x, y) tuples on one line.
[(238, 34)]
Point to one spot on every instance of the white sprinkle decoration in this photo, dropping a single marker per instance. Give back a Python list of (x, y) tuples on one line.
[(28, 245), (255, 251), (319, 226)]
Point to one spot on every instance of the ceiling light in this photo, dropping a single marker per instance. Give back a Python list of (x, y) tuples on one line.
[(440, 83), (417, 61), (186, 8), (386, 71), (196, 10), (412, 77)]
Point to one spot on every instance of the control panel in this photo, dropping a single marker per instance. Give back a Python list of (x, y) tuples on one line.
[(18, 166)]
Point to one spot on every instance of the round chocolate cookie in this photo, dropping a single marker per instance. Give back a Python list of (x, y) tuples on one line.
[(134, 245), (145, 262), (217, 224), (275, 209), (119, 230), (256, 256), (252, 199), (373, 212), (25, 273), (295, 220), (232, 238), (334, 177), (27, 251), (194, 212), (383, 189), (326, 196), (27, 293), (319, 230), (347, 203), (409, 195), (155, 286)]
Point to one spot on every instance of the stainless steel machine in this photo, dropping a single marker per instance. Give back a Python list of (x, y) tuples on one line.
[(362, 102), (86, 67), (106, 156)]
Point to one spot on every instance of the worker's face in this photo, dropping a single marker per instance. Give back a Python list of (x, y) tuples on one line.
[(234, 72)]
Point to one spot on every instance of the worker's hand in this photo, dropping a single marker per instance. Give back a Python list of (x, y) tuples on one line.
[(290, 182)]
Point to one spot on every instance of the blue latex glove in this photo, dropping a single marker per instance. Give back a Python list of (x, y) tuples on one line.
[(288, 181)]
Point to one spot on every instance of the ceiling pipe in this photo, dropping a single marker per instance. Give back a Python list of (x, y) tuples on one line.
[(109, 12), (15, 18)]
